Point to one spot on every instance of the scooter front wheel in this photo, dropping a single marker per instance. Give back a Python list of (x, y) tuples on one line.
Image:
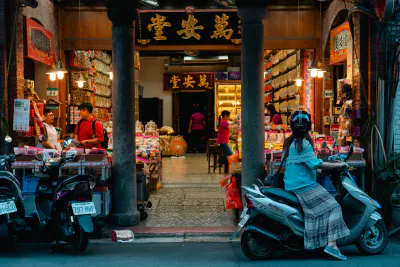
[(80, 239), (256, 246), (373, 240)]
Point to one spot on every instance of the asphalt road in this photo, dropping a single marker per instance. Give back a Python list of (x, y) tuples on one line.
[(181, 254)]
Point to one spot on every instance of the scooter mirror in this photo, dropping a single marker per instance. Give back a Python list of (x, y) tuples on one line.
[(8, 139), (67, 141)]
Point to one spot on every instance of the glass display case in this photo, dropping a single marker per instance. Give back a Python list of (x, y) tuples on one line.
[(228, 97)]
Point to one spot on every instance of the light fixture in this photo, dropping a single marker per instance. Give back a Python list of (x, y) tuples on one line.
[(320, 72), (299, 80), (81, 80), (111, 75), (52, 73), (60, 71), (313, 68)]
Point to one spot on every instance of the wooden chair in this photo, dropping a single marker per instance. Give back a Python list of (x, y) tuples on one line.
[(215, 151)]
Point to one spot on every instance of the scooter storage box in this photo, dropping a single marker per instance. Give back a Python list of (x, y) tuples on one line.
[(29, 184), (98, 205)]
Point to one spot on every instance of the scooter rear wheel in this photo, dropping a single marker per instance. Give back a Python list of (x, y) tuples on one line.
[(257, 247), (80, 240), (373, 242)]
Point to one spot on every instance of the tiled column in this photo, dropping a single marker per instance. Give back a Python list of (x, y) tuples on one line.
[(252, 91), (124, 194)]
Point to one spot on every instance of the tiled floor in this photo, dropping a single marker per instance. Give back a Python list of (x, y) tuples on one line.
[(190, 197)]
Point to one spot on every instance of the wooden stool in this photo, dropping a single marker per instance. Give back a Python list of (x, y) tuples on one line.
[(210, 142), (216, 151)]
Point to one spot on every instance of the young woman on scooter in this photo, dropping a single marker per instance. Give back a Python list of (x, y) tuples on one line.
[(323, 217)]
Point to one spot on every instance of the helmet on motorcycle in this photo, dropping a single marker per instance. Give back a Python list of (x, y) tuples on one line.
[(300, 122)]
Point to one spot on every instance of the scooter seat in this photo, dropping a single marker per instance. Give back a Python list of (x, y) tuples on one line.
[(281, 196)]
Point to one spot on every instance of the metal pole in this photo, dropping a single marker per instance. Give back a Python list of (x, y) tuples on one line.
[(252, 93), (124, 190)]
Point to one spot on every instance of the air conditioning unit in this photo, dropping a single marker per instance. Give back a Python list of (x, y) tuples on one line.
[(206, 60)]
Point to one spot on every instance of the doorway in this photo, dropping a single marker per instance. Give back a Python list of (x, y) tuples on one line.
[(188, 102)]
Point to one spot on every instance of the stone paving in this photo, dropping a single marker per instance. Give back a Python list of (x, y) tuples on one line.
[(190, 196)]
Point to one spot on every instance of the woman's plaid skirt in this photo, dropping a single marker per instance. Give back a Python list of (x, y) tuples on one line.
[(323, 219)]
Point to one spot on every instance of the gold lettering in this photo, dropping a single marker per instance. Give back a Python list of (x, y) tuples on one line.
[(203, 81), (174, 81), (189, 28), (221, 24), (189, 82), (158, 24)]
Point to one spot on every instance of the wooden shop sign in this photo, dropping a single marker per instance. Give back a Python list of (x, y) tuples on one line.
[(189, 81), (39, 43), (179, 28), (339, 37)]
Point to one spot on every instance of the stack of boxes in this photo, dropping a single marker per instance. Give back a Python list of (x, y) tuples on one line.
[(74, 115)]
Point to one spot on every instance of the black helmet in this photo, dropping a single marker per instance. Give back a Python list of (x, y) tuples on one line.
[(300, 122)]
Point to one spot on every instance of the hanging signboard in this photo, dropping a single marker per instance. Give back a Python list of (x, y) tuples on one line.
[(21, 115), (179, 28), (189, 81), (339, 37), (40, 43)]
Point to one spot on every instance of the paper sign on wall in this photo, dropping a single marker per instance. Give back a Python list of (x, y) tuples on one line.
[(328, 93), (21, 115), (52, 91)]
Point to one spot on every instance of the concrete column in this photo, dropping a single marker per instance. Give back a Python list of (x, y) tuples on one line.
[(124, 194), (252, 92)]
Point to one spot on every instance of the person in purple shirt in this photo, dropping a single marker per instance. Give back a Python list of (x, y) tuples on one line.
[(275, 117), (196, 128)]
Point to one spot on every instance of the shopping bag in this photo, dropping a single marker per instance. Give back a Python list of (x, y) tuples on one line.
[(232, 159), (233, 199)]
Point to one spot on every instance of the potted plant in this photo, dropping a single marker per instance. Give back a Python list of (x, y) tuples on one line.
[(387, 177)]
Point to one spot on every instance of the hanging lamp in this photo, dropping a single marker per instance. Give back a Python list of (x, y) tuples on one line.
[(314, 67), (322, 70), (81, 80), (52, 74), (60, 70), (299, 80)]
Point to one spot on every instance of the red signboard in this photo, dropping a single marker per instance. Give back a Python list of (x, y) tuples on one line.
[(39, 43), (338, 43)]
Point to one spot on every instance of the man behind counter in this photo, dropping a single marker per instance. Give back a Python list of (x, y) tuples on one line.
[(89, 131)]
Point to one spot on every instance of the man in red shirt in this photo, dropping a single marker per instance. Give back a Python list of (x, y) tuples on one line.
[(84, 129)]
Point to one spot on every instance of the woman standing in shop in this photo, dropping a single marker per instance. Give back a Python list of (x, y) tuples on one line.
[(224, 131), (196, 128), (275, 117), (49, 139)]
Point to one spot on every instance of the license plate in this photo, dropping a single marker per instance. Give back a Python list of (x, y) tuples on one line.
[(244, 221), (83, 208), (7, 207), (244, 212)]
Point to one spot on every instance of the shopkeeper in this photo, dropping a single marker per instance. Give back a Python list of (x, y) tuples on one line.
[(275, 117), (89, 131), (49, 139)]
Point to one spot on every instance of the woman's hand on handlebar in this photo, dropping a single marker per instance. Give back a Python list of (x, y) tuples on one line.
[(333, 166)]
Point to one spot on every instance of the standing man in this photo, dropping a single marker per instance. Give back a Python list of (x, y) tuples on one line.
[(89, 131)]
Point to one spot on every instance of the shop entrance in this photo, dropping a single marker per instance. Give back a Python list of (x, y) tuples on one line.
[(189, 103)]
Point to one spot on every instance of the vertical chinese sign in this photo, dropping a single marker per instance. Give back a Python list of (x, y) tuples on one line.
[(339, 38), (178, 28), (40, 43), (189, 81), (308, 92)]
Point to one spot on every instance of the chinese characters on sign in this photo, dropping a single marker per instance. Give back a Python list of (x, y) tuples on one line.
[(339, 37), (221, 24), (189, 28), (158, 23), (178, 28), (189, 81), (40, 43)]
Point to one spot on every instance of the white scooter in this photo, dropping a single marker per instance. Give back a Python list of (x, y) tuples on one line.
[(273, 220)]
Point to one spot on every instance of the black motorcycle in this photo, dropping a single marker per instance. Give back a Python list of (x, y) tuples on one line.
[(64, 205), (12, 211)]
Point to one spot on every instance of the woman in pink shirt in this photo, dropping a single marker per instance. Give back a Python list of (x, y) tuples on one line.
[(224, 131), (275, 117), (196, 129)]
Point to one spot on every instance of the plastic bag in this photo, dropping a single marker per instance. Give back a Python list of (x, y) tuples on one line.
[(225, 181), (232, 159), (233, 199)]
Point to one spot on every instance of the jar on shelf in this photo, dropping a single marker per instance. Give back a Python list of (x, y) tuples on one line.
[(139, 127), (151, 128)]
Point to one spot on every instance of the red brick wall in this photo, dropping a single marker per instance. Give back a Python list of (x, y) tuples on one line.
[(47, 14)]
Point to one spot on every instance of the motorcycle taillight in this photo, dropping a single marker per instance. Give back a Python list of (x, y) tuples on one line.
[(249, 204)]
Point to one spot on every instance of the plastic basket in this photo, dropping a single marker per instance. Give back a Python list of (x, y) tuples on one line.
[(29, 184), (326, 182)]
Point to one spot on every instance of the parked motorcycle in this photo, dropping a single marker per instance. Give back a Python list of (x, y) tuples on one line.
[(273, 220), (11, 204), (64, 205)]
